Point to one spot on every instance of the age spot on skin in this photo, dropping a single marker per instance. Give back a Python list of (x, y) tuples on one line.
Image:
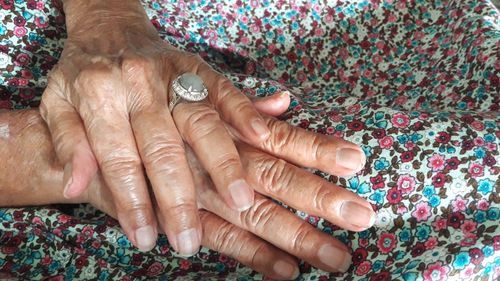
[(4, 131)]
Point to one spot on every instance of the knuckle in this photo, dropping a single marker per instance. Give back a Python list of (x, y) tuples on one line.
[(323, 199), (136, 211), (158, 153), (281, 137), (137, 66), (95, 75), (258, 217), (275, 175), (225, 90), (201, 122), (227, 238), (181, 211), (300, 237), (224, 164), (121, 168)]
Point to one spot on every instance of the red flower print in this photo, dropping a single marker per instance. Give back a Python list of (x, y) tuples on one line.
[(443, 137), (406, 183), (377, 181), (418, 249), (407, 156), (355, 125), (436, 272), (157, 268), (400, 120), (386, 142), (381, 276), (386, 242), (422, 211), (378, 133), (46, 260), (455, 219), (476, 256), (489, 160), (363, 268), (436, 162), (31, 4), (6, 4), (476, 170), (81, 262), (439, 180), (483, 205), (467, 144), (359, 256), (19, 21), (452, 163), (136, 259), (394, 195)]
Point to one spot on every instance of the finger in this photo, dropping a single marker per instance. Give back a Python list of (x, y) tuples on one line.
[(266, 219), (274, 105), (308, 149), (226, 238), (162, 151), (305, 191), (70, 142), (235, 108), (203, 130), (105, 115)]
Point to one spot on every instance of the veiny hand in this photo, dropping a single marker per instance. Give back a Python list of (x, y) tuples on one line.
[(250, 236), (108, 97)]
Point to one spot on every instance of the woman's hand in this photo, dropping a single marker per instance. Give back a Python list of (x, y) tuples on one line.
[(108, 96), (32, 176)]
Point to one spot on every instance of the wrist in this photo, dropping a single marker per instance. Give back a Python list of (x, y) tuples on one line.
[(112, 21)]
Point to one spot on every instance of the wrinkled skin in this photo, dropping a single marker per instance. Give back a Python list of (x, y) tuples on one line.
[(248, 236), (106, 108), (108, 95)]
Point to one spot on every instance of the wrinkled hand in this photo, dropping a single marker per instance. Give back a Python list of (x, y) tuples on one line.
[(250, 236), (106, 107)]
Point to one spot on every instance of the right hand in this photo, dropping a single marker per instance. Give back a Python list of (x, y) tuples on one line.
[(250, 236)]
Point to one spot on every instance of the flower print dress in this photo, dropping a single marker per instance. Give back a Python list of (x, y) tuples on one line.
[(415, 83)]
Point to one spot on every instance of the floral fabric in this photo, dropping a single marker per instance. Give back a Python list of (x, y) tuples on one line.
[(415, 83)]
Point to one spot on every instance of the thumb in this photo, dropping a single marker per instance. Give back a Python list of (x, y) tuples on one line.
[(70, 142), (273, 105)]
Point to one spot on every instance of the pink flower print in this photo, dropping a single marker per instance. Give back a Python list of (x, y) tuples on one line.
[(431, 243), (436, 162), (400, 120), (468, 226), (422, 211), (459, 204), (386, 242), (386, 142), (483, 205), (436, 272), (20, 31), (363, 268), (406, 183), (476, 170), (440, 224), (467, 272)]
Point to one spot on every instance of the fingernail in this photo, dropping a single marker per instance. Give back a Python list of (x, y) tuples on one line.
[(241, 194), (286, 270), (357, 214), (188, 242), (260, 128), (352, 159), (335, 258), (67, 179), (145, 238)]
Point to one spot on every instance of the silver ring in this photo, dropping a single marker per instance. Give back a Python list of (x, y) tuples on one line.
[(187, 88)]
